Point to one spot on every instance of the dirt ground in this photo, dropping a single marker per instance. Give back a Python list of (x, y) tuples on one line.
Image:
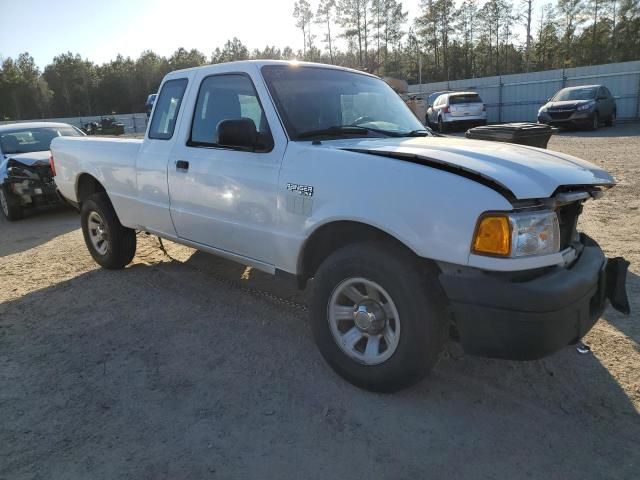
[(193, 367)]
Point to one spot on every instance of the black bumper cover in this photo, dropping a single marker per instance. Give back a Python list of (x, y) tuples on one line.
[(506, 317)]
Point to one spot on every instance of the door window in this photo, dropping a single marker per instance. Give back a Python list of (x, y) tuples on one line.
[(168, 104), (227, 97)]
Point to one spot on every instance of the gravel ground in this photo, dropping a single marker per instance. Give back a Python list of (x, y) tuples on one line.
[(171, 369)]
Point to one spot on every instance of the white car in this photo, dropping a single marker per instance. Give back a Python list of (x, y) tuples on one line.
[(26, 177), (456, 109), (310, 171)]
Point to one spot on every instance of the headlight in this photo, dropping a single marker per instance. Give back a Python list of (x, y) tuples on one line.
[(517, 234), (586, 106)]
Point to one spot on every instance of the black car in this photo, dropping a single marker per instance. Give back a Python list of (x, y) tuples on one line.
[(586, 106), (26, 176), (148, 105)]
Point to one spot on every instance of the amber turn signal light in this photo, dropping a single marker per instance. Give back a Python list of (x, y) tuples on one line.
[(493, 236)]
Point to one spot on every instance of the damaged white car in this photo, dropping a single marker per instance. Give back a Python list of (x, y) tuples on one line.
[(26, 178)]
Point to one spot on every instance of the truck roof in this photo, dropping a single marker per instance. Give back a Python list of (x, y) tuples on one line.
[(241, 64)]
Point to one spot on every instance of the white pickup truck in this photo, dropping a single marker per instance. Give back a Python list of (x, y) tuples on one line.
[(318, 172)]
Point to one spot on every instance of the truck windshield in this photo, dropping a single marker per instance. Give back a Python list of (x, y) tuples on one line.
[(329, 101)]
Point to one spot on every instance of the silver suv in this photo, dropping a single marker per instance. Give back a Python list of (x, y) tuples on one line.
[(456, 109)]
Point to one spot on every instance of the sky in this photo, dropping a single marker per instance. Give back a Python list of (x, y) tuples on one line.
[(100, 29)]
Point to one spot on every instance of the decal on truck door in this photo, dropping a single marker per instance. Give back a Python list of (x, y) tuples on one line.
[(298, 199), (305, 190)]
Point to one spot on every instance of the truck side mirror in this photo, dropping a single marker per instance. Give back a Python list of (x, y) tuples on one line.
[(238, 133)]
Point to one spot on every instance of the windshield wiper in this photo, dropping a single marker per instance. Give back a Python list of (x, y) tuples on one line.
[(341, 130), (423, 132)]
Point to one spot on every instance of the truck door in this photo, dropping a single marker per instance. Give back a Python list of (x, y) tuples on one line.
[(222, 197), (151, 163)]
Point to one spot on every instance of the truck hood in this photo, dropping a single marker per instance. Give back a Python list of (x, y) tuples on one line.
[(31, 159), (520, 171)]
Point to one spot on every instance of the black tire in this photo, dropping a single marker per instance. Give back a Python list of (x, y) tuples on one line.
[(121, 241), (612, 120), (595, 121), (420, 303), (442, 128), (10, 205)]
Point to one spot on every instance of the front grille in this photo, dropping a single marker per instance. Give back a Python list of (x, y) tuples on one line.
[(560, 115), (568, 220)]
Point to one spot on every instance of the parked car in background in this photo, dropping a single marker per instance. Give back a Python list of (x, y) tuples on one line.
[(148, 105), (456, 109), (106, 126), (26, 176), (585, 106)]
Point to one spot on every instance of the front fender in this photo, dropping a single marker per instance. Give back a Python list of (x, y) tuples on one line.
[(432, 212)]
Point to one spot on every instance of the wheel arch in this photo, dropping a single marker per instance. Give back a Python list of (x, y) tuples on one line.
[(331, 236), (86, 185)]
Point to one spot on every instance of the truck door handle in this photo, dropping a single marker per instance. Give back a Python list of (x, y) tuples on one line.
[(182, 165)]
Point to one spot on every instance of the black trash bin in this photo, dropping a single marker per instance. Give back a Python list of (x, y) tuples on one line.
[(532, 134)]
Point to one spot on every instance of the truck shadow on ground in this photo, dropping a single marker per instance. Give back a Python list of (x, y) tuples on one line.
[(171, 371), (38, 227), (629, 325)]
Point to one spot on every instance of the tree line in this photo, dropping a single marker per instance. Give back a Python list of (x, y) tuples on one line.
[(445, 42)]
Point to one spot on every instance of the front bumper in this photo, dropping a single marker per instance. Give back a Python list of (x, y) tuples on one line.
[(574, 118), (522, 318), (33, 192)]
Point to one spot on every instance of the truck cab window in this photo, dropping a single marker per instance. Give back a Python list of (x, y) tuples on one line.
[(227, 97), (167, 107)]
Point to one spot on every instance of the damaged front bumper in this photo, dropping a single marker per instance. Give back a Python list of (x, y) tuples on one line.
[(522, 318), (33, 191)]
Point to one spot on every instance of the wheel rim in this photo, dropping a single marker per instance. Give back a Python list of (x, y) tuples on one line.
[(364, 321), (4, 203), (98, 233)]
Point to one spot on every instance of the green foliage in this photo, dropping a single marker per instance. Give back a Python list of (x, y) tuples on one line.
[(448, 40)]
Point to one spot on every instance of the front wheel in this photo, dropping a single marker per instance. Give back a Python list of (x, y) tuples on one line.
[(378, 319), (595, 121), (110, 243), (10, 205), (612, 120)]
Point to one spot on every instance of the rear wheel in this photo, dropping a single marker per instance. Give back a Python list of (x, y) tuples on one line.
[(441, 126), (111, 245), (10, 205), (378, 319)]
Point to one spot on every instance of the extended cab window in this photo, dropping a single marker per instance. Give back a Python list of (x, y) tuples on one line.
[(227, 97), (167, 107)]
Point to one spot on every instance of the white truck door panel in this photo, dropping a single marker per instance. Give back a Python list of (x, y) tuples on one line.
[(153, 157), (221, 197)]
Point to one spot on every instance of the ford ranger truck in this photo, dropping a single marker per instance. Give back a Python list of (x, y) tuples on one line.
[(321, 173)]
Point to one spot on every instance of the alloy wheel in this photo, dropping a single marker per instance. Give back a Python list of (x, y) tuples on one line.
[(364, 321)]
